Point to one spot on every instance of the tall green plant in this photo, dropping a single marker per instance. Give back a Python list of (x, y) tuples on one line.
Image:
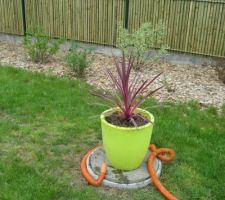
[(39, 46), (146, 38)]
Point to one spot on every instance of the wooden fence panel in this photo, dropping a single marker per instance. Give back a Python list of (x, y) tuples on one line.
[(193, 26), (11, 20), (87, 20)]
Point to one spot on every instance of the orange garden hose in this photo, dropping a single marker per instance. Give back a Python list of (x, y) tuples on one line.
[(159, 153), (85, 173)]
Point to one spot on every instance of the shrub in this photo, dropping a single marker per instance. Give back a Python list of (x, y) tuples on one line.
[(78, 60), (220, 68), (129, 94), (39, 46), (144, 39)]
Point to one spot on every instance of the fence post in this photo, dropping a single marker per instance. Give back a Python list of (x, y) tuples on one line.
[(126, 13), (24, 17)]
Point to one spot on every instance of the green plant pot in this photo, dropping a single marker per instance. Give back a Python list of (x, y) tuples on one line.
[(126, 147)]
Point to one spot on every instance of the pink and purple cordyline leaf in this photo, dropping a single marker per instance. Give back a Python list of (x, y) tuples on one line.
[(130, 94)]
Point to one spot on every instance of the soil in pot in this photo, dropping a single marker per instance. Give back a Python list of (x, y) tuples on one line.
[(116, 119)]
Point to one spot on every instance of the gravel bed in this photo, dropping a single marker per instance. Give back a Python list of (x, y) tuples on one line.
[(181, 82)]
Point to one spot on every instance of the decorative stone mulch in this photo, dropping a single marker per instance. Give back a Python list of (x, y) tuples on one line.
[(181, 82)]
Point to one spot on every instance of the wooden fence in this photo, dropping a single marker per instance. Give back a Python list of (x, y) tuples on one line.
[(11, 17), (193, 26), (84, 20)]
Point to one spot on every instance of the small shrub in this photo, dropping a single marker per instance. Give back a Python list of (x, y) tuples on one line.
[(78, 60), (220, 68), (144, 39), (168, 85), (39, 46)]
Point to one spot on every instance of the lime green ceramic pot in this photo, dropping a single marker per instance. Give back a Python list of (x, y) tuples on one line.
[(126, 147)]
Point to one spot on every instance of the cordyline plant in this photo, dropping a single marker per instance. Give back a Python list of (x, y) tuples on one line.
[(130, 94)]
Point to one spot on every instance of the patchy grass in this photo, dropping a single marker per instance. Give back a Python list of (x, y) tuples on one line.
[(46, 126)]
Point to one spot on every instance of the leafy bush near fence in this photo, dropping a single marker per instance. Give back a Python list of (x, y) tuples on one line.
[(146, 38), (77, 59), (39, 46)]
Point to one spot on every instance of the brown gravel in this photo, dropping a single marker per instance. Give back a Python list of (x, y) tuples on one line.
[(181, 82)]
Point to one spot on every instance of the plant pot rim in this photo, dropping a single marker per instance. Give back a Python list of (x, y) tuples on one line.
[(102, 117)]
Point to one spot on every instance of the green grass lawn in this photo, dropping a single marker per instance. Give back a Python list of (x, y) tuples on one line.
[(48, 123)]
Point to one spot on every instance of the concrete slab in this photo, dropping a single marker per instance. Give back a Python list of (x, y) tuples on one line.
[(121, 179)]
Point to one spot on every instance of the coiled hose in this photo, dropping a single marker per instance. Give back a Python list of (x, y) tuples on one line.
[(159, 153)]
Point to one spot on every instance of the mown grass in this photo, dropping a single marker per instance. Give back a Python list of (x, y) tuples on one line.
[(47, 124)]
